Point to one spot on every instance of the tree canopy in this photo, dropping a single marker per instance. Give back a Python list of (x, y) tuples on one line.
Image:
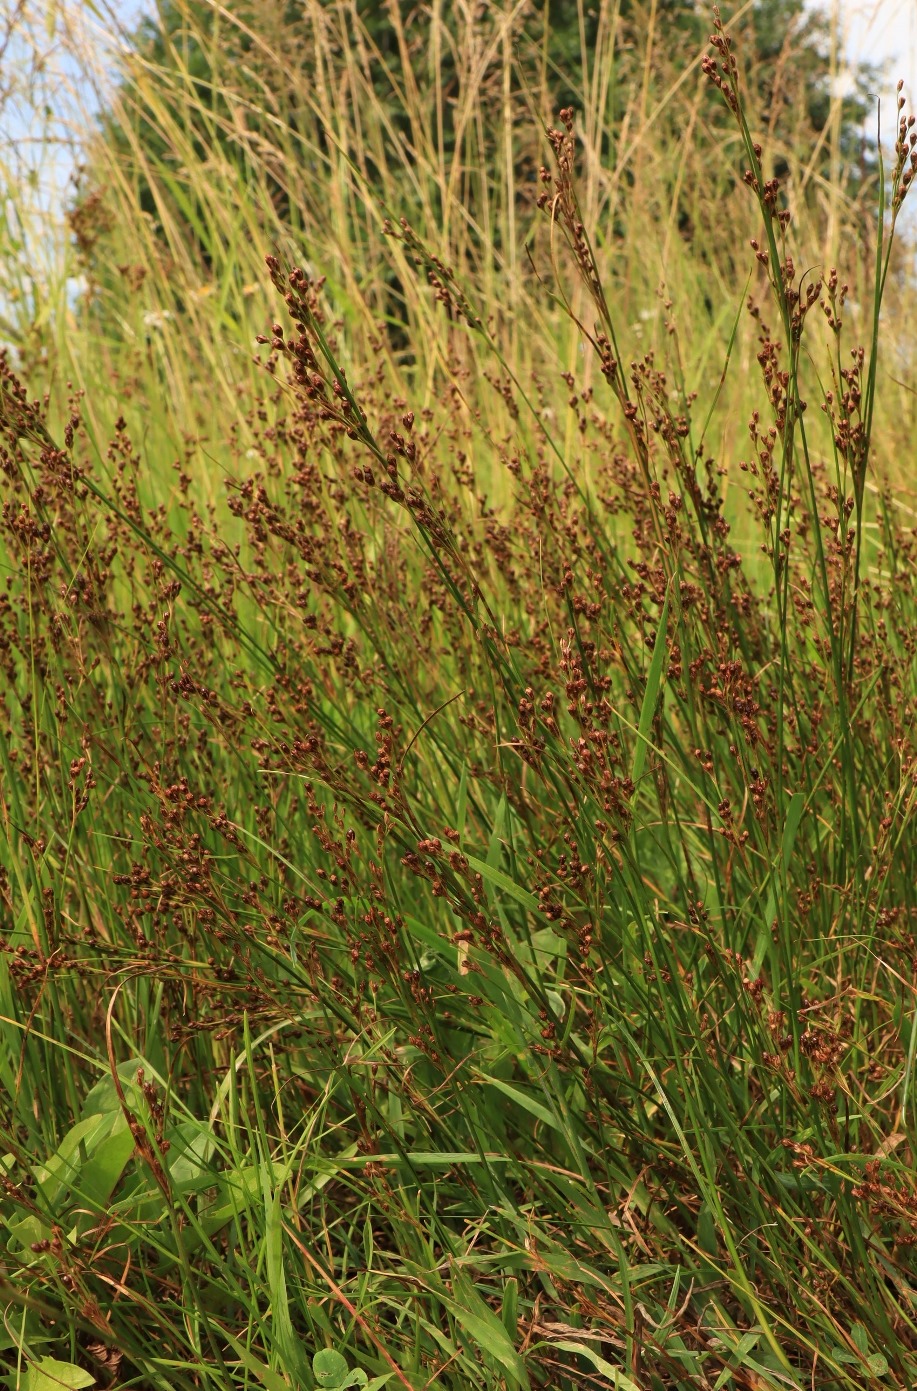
[(282, 95)]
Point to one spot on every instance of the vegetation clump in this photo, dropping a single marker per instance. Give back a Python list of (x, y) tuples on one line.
[(458, 866)]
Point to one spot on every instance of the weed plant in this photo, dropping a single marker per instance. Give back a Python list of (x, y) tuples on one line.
[(459, 909)]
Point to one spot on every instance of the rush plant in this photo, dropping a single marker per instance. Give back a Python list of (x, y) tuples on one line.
[(459, 890)]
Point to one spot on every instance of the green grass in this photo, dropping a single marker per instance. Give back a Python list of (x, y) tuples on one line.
[(458, 864)]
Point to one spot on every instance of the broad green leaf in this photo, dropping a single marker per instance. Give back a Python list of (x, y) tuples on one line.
[(746, 1344), (274, 1381), (706, 1231), (429, 937), (616, 1377), (482, 1325), (240, 1189), (860, 1337), (191, 1148), (59, 1172), (499, 880), (528, 1103), (104, 1097), (329, 1368), (548, 945), (282, 1324), (30, 1230), (47, 1374), (104, 1168), (510, 1308)]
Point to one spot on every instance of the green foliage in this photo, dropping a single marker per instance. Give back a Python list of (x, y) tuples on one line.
[(235, 102), (47, 1374), (457, 806), (330, 1369)]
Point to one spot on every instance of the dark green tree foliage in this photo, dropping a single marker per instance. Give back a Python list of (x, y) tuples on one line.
[(786, 46)]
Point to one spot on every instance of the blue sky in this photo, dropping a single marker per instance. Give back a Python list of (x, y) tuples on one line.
[(884, 31)]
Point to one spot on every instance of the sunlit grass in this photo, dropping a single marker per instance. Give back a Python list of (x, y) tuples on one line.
[(457, 782)]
